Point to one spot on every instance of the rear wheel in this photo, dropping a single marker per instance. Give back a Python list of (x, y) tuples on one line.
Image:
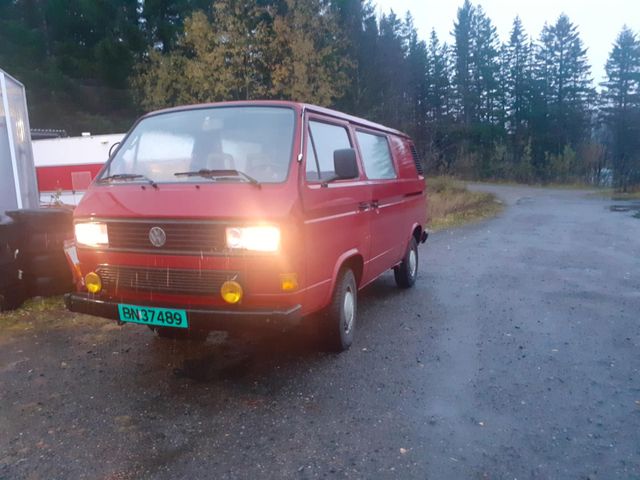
[(340, 317), (407, 272)]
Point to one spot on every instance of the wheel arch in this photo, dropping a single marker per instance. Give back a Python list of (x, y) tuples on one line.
[(352, 259), (419, 233)]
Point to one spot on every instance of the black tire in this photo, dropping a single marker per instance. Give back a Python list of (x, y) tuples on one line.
[(47, 286), (9, 231), (12, 296), (8, 275), (40, 243), (407, 272), (49, 265), (339, 319), (7, 256), (183, 334), (44, 220)]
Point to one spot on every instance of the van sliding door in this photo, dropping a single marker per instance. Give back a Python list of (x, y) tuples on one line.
[(388, 229)]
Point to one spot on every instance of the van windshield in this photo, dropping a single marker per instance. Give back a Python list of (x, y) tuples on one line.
[(246, 142)]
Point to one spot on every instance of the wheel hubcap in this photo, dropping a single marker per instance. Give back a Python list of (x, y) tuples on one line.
[(413, 263), (348, 307)]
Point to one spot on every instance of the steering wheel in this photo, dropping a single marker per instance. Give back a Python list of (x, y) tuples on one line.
[(220, 161), (270, 171)]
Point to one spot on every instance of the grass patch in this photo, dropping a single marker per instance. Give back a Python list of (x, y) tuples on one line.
[(22, 318), (451, 204)]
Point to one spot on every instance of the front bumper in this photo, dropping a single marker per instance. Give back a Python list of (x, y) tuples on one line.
[(199, 319)]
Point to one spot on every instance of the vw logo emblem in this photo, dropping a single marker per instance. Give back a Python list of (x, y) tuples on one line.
[(157, 237)]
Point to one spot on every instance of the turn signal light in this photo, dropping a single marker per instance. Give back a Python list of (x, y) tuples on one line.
[(231, 291), (93, 282), (289, 282)]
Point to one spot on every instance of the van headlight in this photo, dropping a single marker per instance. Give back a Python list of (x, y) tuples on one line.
[(259, 239), (92, 234)]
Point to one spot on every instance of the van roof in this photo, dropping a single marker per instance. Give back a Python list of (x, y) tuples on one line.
[(296, 105)]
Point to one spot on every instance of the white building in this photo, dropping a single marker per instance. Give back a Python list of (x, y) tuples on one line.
[(66, 166)]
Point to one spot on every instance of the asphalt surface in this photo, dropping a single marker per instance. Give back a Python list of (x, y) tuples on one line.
[(516, 356)]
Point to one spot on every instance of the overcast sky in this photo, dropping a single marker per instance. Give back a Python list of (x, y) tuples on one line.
[(599, 21)]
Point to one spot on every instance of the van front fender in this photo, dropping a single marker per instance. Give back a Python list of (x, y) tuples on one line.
[(354, 259)]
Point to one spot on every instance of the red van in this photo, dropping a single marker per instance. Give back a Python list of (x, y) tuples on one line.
[(227, 215)]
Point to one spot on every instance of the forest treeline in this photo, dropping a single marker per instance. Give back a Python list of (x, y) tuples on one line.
[(525, 109)]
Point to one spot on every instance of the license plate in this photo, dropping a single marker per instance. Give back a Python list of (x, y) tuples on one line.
[(158, 317)]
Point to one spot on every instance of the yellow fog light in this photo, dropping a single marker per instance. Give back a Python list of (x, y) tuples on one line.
[(289, 282), (231, 291), (93, 282)]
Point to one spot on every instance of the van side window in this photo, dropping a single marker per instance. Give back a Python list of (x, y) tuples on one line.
[(324, 139), (376, 156)]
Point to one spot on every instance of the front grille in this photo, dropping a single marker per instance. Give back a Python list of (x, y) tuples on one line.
[(181, 237), (162, 280)]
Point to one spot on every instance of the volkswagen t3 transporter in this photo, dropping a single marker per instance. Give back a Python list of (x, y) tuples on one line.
[(240, 214)]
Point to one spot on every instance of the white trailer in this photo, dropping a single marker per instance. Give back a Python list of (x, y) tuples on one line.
[(18, 187)]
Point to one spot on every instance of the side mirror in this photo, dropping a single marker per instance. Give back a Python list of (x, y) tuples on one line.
[(113, 148), (345, 164)]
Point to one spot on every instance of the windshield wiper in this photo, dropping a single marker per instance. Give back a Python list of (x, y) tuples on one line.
[(127, 176), (210, 173)]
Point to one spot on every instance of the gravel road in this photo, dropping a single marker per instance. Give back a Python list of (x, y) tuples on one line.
[(516, 356)]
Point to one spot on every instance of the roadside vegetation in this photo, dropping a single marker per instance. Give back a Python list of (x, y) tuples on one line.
[(630, 195), (451, 204), (616, 195)]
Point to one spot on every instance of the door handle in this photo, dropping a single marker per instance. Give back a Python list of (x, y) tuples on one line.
[(375, 204), (363, 206)]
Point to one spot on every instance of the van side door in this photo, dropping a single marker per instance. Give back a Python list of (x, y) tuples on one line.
[(388, 230), (336, 213)]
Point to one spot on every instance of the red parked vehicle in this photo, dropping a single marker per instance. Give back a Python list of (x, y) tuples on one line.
[(219, 216)]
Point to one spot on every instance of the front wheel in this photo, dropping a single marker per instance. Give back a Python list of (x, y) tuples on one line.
[(407, 272), (340, 318)]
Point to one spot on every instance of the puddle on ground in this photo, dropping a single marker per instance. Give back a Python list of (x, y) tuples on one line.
[(524, 200), (626, 207)]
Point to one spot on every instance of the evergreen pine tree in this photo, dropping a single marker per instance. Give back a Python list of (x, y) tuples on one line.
[(359, 26), (565, 74), (418, 88), (462, 31), (621, 107), (439, 153), (518, 81)]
